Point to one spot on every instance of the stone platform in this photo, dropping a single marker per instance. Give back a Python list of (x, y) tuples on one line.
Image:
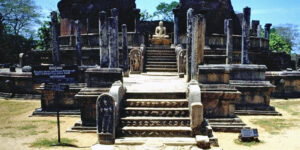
[(157, 143)]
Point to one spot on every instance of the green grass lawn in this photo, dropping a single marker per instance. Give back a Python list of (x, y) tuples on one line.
[(276, 125), (15, 123)]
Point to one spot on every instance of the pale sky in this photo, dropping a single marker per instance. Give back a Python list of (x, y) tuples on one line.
[(267, 11)]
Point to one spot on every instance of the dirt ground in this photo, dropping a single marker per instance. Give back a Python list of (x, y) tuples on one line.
[(18, 130)]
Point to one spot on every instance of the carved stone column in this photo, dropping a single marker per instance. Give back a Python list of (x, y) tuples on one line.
[(267, 30), (113, 40), (245, 36), (198, 43), (176, 29), (229, 41), (125, 51), (78, 42), (55, 41), (103, 40), (258, 31), (255, 24), (189, 42)]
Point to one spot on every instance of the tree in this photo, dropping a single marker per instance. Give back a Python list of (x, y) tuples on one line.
[(290, 34), (279, 43), (146, 16), (44, 34), (165, 10), (18, 18), (19, 15)]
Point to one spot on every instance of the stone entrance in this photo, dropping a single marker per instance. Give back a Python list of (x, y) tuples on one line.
[(161, 59)]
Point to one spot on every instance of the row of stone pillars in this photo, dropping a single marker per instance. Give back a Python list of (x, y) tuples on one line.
[(245, 45), (108, 41), (196, 25)]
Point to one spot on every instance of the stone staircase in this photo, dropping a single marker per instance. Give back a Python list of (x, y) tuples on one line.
[(161, 59), (155, 115), (227, 124)]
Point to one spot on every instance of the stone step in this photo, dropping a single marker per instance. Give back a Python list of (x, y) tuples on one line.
[(166, 131), (161, 54), (211, 120), (155, 121), (160, 63), (226, 124), (258, 112), (215, 56), (161, 66), (159, 59), (156, 95), (150, 111), (157, 103), (160, 48), (161, 69), (233, 129)]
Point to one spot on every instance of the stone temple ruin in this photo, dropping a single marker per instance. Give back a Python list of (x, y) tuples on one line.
[(133, 82)]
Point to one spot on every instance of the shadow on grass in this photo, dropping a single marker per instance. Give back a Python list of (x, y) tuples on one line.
[(249, 144), (65, 142)]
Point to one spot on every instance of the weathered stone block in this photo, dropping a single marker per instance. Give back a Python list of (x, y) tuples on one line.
[(102, 77), (219, 100), (247, 72), (203, 142), (213, 74)]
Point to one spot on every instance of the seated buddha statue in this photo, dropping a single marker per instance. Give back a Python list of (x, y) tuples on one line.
[(160, 32)]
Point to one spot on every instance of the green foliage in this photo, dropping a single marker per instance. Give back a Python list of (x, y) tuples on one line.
[(19, 15), (249, 144), (16, 22), (146, 16), (165, 10), (278, 43), (44, 34)]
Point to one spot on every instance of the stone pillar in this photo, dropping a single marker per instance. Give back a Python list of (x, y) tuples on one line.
[(255, 24), (229, 41), (225, 26), (189, 42), (125, 51), (245, 36), (55, 41), (259, 31), (78, 42), (240, 17), (267, 30), (176, 36), (198, 43), (137, 21), (113, 45), (103, 40), (137, 37), (21, 60)]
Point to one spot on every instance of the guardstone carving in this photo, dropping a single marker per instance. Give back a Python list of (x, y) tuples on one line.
[(136, 61)]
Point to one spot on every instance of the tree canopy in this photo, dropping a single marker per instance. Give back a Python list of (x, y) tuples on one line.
[(164, 11), (18, 17), (284, 38)]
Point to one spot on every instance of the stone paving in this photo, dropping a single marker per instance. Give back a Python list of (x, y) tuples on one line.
[(155, 82)]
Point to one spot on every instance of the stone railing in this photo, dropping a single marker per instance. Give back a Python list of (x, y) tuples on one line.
[(92, 39), (181, 59), (108, 113), (219, 41), (195, 105)]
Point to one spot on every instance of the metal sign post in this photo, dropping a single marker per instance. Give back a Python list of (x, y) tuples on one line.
[(55, 79)]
